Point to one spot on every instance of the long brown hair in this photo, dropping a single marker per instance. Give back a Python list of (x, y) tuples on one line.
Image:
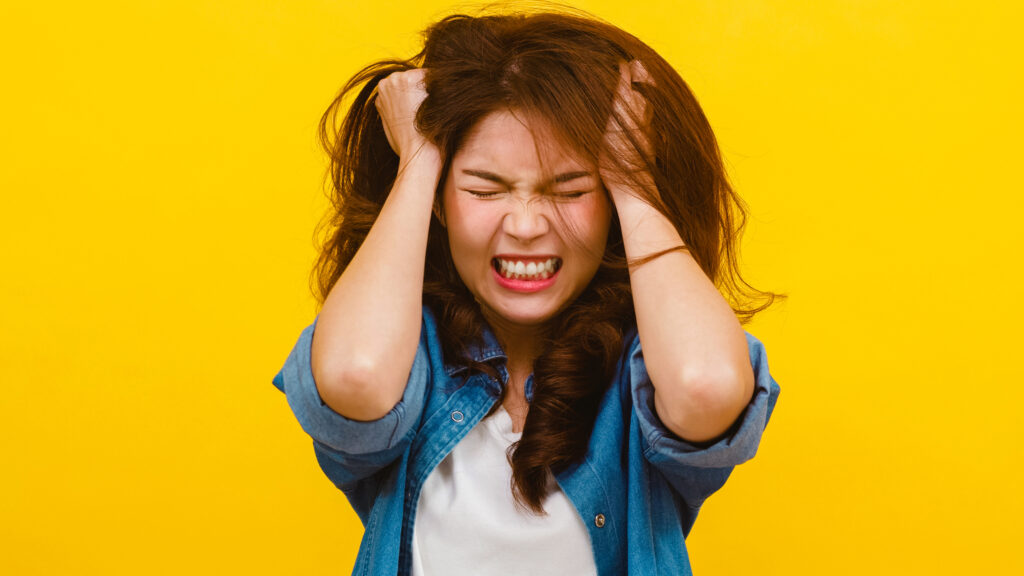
[(562, 67)]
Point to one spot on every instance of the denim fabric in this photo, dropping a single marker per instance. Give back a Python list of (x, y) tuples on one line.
[(638, 490)]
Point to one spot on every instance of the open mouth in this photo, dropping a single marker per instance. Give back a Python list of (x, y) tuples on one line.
[(532, 270)]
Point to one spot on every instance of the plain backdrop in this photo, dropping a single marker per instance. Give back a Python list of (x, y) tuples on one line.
[(161, 185)]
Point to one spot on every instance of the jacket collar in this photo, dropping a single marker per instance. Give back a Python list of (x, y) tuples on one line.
[(488, 349), (484, 350)]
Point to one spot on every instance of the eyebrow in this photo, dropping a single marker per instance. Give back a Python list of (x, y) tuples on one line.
[(492, 177)]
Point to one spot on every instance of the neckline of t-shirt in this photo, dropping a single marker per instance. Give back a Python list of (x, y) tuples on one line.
[(500, 423)]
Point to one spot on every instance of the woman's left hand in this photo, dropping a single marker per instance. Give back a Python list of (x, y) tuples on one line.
[(627, 149)]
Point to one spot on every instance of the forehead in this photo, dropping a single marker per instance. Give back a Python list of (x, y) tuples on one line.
[(506, 140)]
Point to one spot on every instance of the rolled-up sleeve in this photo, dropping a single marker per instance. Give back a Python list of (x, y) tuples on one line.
[(696, 471), (339, 434)]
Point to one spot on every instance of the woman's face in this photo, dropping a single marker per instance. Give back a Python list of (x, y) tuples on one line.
[(521, 261)]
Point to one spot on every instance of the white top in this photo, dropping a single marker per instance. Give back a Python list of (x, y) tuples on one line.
[(467, 521)]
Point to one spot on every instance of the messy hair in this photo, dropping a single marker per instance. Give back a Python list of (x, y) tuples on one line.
[(564, 68)]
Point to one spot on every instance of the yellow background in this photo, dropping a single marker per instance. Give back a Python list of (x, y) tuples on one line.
[(161, 183)]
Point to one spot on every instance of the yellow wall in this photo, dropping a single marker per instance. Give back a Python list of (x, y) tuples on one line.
[(160, 188)]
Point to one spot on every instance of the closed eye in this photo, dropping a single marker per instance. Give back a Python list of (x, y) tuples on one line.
[(571, 194), (484, 193)]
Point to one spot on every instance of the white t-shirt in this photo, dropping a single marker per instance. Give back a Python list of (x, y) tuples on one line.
[(468, 523)]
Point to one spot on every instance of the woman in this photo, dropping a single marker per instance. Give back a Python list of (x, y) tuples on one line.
[(519, 207)]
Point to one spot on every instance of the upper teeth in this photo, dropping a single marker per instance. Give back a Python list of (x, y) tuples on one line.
[(509, 267)]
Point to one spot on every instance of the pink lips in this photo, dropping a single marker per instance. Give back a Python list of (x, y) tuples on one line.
[(521, 285)]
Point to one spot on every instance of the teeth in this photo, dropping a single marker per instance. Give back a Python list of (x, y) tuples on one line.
[(533, 270)]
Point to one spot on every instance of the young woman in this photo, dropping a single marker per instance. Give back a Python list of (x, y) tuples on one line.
[(522, 363)]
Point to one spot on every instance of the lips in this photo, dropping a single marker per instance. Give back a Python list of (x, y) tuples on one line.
[(527, 284)]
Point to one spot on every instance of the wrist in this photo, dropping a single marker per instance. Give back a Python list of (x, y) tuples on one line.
[(628, 192), (631, 207), (422, 156), (645, 230)]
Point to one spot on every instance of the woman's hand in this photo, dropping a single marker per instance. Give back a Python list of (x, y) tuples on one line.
[(399, 96), (628, 149)]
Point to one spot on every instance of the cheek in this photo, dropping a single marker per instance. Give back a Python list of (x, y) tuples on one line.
[(480, 216), (471, 226), (595, 221)]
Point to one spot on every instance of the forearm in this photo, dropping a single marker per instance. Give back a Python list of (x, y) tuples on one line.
[(695, 350), (369, 327)]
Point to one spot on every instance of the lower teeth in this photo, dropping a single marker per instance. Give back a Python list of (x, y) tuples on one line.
[(543, 276)]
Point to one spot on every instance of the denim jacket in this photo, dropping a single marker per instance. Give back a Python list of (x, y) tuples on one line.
[(638, 489)]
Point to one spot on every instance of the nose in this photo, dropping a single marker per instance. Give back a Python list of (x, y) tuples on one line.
[(526, 219)]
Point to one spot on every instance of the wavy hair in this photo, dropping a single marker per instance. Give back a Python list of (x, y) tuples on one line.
[(562, 67)]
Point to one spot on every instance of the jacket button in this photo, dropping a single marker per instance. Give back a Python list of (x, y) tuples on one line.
[(599, 520), (457, 416)]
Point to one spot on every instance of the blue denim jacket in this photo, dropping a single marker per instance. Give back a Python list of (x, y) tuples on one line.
[(638, 489)]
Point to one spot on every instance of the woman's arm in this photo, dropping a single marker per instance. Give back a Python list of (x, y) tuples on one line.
[(369, 328), (695, 350)]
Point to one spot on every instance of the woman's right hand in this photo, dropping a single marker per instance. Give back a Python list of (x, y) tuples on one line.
[(399, 96)]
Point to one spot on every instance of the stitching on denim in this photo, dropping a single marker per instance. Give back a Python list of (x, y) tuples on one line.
[(607, 499)]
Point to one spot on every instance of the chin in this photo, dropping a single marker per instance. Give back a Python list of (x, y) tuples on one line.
[(524, 315)]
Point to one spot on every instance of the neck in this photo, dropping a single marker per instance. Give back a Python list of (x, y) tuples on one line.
[(522, 344)]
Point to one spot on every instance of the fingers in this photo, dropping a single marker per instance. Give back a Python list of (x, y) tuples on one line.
[(409, 80), (406, 87), (627, 132), (630, 105), (639, 74), (398, 97), (634, 72)]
